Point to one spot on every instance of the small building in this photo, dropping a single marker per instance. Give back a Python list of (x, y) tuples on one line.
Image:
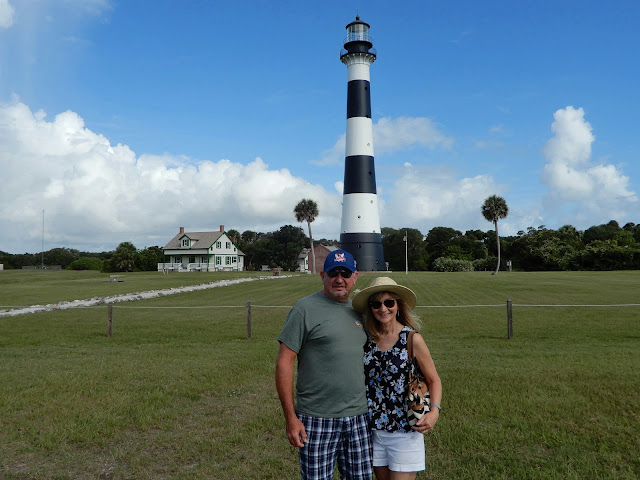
[(305, 260), (202, 252)]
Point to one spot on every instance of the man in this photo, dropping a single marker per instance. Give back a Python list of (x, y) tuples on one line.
[(329, 420)]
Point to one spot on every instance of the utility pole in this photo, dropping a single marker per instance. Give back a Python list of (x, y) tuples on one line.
[(42, 261), (406, 254)]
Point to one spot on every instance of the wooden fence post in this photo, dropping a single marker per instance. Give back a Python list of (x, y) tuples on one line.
[(248, 320), (509, 320), (110, 323)]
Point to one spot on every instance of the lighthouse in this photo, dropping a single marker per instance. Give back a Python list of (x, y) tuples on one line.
[(360, 228)]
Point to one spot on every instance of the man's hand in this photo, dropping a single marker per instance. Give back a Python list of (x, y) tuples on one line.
[(284, 384), (296, 432)]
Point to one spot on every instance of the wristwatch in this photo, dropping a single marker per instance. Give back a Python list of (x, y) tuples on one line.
[(436, 406)]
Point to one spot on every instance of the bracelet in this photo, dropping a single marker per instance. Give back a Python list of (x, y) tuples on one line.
[(437, 406)]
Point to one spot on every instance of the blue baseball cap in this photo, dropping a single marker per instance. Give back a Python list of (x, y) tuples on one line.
[(339, 258)]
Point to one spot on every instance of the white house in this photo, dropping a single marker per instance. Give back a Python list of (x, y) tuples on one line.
[(202, 251)]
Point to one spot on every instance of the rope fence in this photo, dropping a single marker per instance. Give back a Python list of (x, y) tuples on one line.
[(248, 306)]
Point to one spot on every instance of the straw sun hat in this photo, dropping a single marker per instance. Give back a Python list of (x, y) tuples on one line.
[(383, 284)]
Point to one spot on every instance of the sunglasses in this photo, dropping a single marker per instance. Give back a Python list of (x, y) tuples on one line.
[(376, 304), (343, 273)]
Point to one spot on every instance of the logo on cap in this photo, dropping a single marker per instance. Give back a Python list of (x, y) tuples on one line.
[(339, 257)]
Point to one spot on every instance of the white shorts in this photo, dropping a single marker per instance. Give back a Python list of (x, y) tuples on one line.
[(401, 452)]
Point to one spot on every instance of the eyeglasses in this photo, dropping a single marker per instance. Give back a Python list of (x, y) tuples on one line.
[(344, 273), (376, 304)]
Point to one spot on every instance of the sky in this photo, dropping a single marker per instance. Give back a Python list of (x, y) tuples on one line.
[(126, 120)]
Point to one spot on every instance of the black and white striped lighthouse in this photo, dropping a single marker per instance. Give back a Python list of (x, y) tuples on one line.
[(360, 229)]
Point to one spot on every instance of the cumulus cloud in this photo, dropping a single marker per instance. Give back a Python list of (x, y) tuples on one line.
[(6, 14), (582, 188), (427, 197), (96, 195), (403, 133), (393, 135)]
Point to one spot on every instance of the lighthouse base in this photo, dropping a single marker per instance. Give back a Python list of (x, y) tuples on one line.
[(366, 248)]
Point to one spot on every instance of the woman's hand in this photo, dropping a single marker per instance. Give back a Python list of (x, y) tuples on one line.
[(427, 422)]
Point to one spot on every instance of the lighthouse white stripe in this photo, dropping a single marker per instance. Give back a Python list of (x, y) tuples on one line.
[(360, 213), (358, 71), (359, 138)]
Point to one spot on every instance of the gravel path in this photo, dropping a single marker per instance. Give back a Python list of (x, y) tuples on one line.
[(128, 297)]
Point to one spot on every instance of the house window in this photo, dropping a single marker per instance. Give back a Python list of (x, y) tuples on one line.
[(228, 245), (235, 259), (227, 260), (218, 244), (185, 242), (218, 260)]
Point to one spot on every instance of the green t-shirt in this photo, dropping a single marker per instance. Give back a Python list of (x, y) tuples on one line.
[(329, 339)]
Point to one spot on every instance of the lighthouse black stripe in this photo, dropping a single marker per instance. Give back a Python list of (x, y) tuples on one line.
[(366, 248), (358, 99), (359, 174)]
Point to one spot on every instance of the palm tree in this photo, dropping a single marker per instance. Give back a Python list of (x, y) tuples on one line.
[(307, 210), (493, 209), (124, 257)]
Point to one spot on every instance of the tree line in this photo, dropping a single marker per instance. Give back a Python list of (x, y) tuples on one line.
[(125, 258), (602, 247)]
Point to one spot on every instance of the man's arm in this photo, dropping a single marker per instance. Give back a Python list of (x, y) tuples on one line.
[(284, 384)]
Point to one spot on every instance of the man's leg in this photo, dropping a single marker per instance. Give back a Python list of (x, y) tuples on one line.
[(319, 454), (356, 452)]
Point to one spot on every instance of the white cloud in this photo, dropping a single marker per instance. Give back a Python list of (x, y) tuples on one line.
[(334, 155), (487, 144), (571, 144), (393, 135), (436, 196), (579, 188), (403, 133), (6, 14), (96, 195)]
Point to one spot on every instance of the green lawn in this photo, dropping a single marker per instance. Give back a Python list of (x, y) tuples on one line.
[(181, 393)]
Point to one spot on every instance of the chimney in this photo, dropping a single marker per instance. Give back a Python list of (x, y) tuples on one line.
[(222, 228), (181, 229)]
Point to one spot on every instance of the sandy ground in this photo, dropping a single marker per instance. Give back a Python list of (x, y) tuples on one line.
[(129, 297)]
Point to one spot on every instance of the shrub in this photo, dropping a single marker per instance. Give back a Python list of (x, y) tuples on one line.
[(485, 264), (86, 263), (447, 264)]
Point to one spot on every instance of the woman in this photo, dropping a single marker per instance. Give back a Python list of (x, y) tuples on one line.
[(398, 448)]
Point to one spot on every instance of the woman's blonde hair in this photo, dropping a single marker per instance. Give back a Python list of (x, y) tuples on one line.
[(405, 316)]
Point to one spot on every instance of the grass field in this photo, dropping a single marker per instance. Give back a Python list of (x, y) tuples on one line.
[(181, 393)]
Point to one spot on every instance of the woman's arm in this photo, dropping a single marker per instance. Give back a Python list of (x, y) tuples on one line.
[(428, 369)]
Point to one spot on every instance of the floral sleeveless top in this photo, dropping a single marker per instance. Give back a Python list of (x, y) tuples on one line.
[(387, 375)]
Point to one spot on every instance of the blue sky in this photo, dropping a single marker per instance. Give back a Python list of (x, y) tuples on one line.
[(125, 120)]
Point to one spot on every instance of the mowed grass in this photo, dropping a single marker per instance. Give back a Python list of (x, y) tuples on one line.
[(181, 393)]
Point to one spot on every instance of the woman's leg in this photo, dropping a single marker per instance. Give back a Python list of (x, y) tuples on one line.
[(382, 473), (402, 475)]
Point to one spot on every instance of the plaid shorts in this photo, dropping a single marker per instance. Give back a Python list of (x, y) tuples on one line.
[(346, 440)]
